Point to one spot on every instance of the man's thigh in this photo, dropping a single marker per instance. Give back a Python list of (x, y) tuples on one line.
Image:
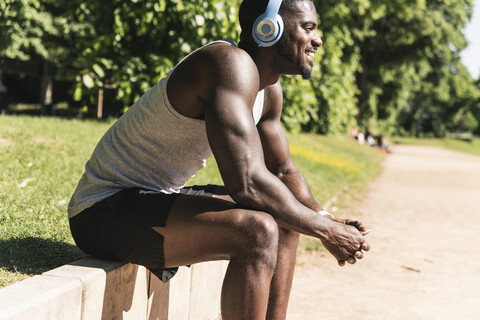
[(208, 228)]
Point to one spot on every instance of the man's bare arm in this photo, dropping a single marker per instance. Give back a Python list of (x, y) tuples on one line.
[(279, 161), (276, 150), (237, 147)]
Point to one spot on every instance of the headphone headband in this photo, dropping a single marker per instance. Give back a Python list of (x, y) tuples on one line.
[(272, 9), (268, 27)]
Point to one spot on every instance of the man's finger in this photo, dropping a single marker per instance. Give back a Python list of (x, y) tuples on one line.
[(365, 246), (354, 223), (358, 254), (351, 260), (365, 231), (341, 263), (359, 225)]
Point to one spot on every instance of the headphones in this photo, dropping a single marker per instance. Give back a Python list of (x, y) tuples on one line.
[(268, 27)]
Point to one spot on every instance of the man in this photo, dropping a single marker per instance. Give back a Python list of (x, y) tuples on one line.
[(130, 204)]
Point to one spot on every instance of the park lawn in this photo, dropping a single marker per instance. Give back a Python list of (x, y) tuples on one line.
[(43, 158), (471, 147), (41, 162)]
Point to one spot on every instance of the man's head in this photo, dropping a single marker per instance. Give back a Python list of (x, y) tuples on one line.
[(299, 40)]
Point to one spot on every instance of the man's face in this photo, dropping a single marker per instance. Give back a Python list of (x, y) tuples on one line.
[(299, 41)]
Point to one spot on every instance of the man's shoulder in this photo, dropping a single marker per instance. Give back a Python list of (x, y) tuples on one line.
[(222, 52), (226, 62)]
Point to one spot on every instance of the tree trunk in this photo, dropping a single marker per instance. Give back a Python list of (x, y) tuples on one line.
[(362, 84)]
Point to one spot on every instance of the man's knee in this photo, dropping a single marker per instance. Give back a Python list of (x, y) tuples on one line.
[(260, 233)]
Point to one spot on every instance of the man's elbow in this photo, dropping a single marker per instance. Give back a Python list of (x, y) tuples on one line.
[(242, 196), (284, 172), (245, 194)]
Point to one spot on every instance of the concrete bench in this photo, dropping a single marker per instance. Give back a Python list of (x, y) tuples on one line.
[(99, 289)]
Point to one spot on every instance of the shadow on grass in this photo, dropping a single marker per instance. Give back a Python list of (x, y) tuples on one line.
[(34, 256)]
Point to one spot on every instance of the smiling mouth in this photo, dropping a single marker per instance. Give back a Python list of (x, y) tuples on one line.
[(311, 52)]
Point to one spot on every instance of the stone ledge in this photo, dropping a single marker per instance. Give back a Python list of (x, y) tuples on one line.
[(100, 289), (42, 297), (109, 289)]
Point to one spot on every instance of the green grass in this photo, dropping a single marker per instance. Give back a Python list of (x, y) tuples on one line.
[(43, 158), (471, 147)]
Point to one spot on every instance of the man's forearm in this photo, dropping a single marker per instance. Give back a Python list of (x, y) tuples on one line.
[(298, 186), (266, 192)]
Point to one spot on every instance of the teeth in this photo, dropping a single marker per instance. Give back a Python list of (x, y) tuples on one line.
[(310, 54)]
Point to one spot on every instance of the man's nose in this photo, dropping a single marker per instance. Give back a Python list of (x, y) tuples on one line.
[(316, 41)]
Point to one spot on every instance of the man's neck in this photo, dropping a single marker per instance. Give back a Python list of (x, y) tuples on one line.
[(263, 59)]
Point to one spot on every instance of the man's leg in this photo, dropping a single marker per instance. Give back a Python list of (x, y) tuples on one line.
[(283, 275), (203, 229)]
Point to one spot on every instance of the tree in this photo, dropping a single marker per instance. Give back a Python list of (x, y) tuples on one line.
[(393, 65), (136, 43), (122, 46), (414, 46)]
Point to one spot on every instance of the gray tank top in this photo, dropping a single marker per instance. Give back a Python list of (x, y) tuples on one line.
[(151, 146)]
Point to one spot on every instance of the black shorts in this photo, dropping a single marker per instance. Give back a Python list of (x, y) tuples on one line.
[(120, 227)]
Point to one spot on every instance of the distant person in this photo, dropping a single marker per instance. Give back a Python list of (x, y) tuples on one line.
[(360, 138), (131, 204), (370, 140), (383, 143)]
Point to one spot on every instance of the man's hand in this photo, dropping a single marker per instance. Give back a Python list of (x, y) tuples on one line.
[(346, 240)]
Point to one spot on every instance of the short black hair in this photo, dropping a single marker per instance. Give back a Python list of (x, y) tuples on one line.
[(250, 10)]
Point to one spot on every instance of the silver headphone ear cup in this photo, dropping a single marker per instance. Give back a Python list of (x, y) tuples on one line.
[(268, 27), (267, 32), (265, 28)]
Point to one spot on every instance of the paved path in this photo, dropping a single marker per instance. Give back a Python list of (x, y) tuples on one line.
[(424, 213)]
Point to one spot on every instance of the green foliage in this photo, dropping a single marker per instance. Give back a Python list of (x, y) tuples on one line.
[(148, 38), (33, 29), (22, 27), (465, 121), (334, 84), (417, 88), (393, 65), (300, 103), (125, 46)]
